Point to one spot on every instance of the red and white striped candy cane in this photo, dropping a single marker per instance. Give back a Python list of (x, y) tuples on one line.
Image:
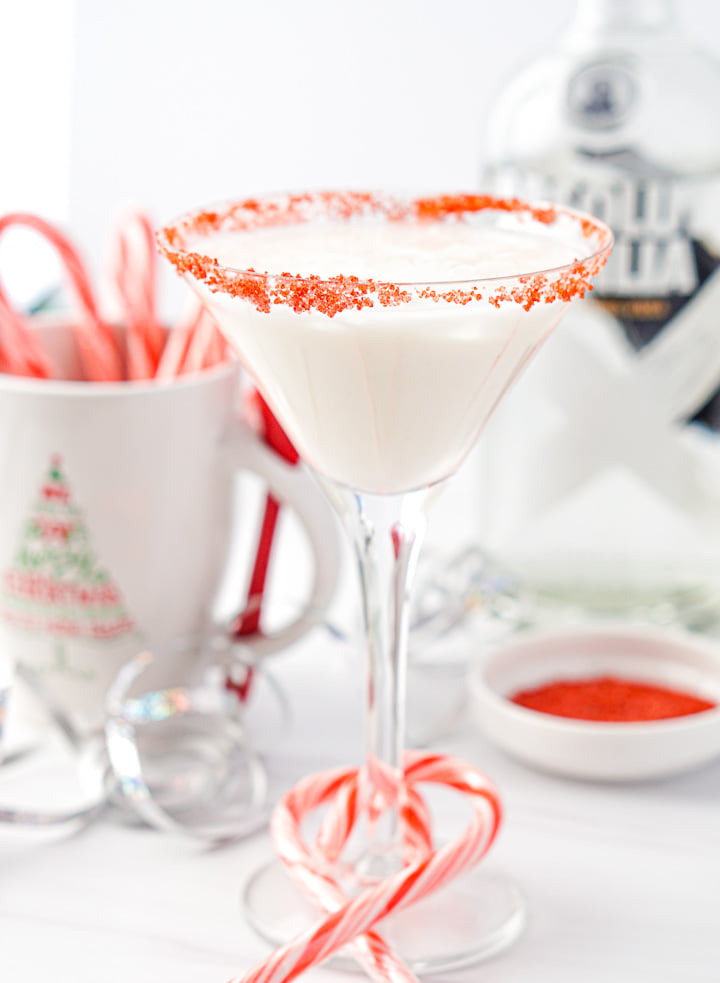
[(192, 345), (95, 339), (20, 350), (134, 278), (351, 921)]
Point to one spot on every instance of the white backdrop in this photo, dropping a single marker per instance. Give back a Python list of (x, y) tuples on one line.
[(169, 103), (178, 103)]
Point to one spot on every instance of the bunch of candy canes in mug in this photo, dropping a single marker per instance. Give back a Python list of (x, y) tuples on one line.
[(145, 349)]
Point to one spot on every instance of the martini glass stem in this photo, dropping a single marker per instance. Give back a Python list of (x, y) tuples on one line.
[(386, 532)]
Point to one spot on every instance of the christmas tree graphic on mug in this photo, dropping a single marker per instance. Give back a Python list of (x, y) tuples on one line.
[(55, 584)]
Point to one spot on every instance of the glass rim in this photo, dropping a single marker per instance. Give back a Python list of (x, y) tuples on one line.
[(285, 209)]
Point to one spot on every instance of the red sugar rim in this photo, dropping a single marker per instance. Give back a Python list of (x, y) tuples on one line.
[(338, 293)]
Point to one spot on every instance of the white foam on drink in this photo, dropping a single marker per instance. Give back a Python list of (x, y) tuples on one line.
[(398, 252)]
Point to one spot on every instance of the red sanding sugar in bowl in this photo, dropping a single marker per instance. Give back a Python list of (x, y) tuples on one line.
[(610, 699)]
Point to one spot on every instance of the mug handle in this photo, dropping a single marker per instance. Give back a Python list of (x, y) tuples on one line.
[(292, 486)]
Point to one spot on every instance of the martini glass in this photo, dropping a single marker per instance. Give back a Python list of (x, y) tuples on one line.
[(384, 383)]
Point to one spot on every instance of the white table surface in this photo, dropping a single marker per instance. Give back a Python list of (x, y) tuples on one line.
[(622, 882)]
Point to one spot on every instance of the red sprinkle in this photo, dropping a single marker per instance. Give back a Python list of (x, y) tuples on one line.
[(341, 292), (610, 699)]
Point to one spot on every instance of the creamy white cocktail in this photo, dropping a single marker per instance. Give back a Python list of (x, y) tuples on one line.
[(383, 331), (386, 398)]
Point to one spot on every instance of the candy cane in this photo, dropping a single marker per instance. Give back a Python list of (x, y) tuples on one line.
[(177, 343), (20, 351), (95, 339), (351, 921), (134, 275), (202, 349)]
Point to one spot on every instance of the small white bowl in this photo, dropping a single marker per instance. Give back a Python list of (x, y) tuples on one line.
[(594, 750)]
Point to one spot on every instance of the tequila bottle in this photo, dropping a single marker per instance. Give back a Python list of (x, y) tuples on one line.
[(601, 483)]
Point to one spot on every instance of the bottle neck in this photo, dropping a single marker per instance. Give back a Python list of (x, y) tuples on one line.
[(623, 15)]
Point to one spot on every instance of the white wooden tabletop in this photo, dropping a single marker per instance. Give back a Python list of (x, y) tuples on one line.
[(622, 882)]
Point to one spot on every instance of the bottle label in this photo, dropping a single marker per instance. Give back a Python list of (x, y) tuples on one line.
[(662, 282)]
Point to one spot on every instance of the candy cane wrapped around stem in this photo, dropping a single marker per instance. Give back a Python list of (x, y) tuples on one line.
[(351, 921)]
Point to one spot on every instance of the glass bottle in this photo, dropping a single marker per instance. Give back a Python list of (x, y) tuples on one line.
[(600, 484)]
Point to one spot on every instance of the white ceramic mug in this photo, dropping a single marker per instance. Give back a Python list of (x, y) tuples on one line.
[(116, 511)]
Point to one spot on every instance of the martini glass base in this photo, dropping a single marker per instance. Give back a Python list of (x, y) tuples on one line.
[(473, 918)]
